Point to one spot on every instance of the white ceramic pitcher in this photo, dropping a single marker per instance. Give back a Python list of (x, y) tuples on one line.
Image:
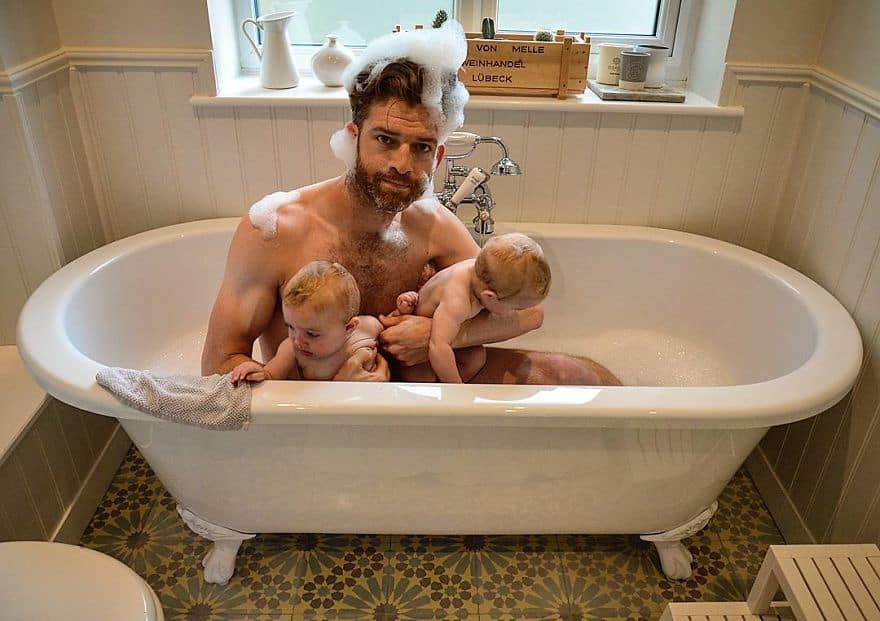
[(276, 60)]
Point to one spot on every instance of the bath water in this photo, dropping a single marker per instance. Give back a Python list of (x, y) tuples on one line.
[(639, 357)]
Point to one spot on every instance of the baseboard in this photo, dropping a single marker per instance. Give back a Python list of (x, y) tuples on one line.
[(81, 510), (782, 508)]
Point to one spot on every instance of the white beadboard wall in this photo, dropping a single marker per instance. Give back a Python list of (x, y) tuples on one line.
[(158, 160), (828, 228), (48, 214), (52, 480)]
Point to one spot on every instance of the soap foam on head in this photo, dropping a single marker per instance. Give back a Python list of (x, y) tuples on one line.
[(264, 213), (440, 52)]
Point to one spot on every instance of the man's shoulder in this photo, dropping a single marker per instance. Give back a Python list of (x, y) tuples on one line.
[(283, 215), (428, 205), (428, 212)]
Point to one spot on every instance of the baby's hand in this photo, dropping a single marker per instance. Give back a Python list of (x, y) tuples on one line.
[(407, 302), (251, 371), (366, 357)]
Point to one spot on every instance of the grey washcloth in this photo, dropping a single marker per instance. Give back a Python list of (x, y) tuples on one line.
[(210, 402)]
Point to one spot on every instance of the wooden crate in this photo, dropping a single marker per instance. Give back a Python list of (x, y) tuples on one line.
[(517, 65)]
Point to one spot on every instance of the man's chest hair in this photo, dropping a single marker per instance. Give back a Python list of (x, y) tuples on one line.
[(383, 266)]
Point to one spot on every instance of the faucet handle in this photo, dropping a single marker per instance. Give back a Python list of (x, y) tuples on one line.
[(467, 140), (474, 178)]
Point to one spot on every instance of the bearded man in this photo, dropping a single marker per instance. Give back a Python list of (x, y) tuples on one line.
[(381, 222)]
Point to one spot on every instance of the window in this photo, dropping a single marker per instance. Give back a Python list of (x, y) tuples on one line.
[(356, 22), (658, 22)]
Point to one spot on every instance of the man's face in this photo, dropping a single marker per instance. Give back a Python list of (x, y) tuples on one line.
[(396, 156)]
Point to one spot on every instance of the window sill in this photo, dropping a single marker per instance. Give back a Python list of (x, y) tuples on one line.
[(246, 91)]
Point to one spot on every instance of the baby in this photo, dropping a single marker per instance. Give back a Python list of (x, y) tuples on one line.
[(509, 274), (320, 304)]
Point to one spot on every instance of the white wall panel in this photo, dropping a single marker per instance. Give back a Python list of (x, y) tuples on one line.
[(540, 160), (764, 204), (842, 151), (294, 149), (579, 141), (225, 171), (258, 144), (677, 171), (646, 154), (188, 145), (323, 122), (710, 175), (615, 139), (145, 108), (750, 152), (79, 209), (800, 158), (114, 137), (48, 173)]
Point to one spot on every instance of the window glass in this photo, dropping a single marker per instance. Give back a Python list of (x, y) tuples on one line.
[(620, 17), (355, 22)]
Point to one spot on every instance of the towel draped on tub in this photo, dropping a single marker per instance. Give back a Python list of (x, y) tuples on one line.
[(210, 402)]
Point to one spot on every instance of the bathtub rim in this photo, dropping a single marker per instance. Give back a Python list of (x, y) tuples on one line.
[(69, 375)]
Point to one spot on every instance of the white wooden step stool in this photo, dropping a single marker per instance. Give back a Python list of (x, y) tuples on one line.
[(834, 582), (715, 611), (820, 582)]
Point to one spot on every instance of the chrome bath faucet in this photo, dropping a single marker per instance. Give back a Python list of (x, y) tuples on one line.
[(474, 188)]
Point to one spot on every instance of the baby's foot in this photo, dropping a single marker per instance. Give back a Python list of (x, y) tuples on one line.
[(407, 302)]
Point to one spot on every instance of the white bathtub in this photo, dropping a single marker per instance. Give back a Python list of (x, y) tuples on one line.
[(720, 342)]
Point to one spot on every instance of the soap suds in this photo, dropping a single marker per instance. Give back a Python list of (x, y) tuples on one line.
[(440, 51), (344, 146), (264, 213)]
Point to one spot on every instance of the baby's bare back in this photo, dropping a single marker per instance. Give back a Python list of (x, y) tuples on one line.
[(447, 285)]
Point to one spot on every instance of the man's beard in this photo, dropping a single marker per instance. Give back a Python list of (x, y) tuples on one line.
[(369, 188)]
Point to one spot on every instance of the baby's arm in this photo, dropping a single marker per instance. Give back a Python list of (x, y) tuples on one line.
[(284, 362), (364, 364), (368, 330), (448, 317), (279, 367)]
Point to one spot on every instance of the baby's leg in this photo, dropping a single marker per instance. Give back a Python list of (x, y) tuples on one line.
[(470, 360), (407, 302)]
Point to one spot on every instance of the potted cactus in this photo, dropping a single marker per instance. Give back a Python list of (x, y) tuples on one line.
[(488, 28)]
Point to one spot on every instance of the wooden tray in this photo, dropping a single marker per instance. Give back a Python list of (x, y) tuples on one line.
[(615, 93)]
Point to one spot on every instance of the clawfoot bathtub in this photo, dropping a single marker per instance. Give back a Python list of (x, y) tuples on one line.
[(715, 344)]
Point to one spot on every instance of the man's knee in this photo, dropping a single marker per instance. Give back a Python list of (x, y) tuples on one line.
[(529, 367)]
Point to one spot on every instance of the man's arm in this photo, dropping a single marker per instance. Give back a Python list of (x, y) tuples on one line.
[(245, 304)]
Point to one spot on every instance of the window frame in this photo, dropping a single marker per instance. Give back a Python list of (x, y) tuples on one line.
[(676, 24)]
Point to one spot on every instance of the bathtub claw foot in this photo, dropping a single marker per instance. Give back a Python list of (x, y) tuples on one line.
[(675, 559), (219, 562)]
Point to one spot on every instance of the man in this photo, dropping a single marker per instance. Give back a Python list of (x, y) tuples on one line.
[(379, 221)]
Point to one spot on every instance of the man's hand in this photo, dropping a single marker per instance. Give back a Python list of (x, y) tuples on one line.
[(406, 338), (353, 370)]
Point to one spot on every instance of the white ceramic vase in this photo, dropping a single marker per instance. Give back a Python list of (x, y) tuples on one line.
[(330, 61)]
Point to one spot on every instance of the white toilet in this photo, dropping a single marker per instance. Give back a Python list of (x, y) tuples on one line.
[(42, 581)]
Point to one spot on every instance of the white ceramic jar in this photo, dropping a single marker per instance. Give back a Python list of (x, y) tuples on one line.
[(330, 61)]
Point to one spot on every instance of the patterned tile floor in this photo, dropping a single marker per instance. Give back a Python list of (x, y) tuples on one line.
[(413, 577)]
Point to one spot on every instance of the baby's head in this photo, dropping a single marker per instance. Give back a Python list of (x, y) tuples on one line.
[(320, 305), (515, 273)]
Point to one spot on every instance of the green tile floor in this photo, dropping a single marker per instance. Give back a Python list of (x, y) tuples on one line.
[(391, 577)]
